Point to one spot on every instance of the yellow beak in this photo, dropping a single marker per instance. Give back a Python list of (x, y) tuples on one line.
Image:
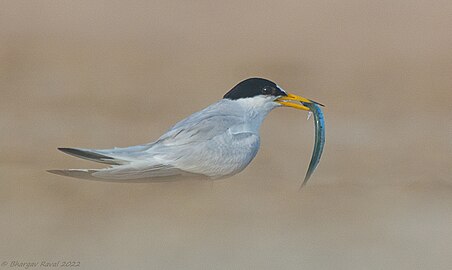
[(291, 97)]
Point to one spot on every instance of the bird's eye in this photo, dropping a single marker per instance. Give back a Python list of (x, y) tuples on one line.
[(267, 90)]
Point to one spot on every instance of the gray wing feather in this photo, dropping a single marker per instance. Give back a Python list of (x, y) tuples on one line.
[(203, 125)]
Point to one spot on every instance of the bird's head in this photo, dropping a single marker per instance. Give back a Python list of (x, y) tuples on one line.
[(268, 92)]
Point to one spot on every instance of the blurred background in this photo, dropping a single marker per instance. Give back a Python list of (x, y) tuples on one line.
[(99, 74)]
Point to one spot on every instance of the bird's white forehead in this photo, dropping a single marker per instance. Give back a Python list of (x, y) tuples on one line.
[(280, 88)]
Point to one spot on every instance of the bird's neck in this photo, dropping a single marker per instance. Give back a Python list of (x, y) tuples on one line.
[(255, 110)]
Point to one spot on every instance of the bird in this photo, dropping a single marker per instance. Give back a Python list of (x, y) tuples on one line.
[(216, 142)]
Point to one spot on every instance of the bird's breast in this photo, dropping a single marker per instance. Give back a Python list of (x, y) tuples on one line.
[(222, 156)]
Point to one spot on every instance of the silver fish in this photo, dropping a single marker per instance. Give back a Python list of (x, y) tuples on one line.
[(319, 122)]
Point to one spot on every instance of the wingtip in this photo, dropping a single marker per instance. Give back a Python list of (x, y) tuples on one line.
[(64, 149)]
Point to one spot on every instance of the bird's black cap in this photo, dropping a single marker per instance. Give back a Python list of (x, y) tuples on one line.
[(254, 87)]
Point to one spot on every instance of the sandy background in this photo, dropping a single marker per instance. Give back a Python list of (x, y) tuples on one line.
[(103, 73)]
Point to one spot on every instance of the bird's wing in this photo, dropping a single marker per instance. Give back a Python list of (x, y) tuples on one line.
[(202, 126), (115, 156)]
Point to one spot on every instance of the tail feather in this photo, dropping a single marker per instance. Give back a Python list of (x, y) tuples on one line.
[(77, 173), (125, 174), (127, 165)]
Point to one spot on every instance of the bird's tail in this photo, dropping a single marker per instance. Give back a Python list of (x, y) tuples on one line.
[(127, 165), (128, 174), (77, 173)]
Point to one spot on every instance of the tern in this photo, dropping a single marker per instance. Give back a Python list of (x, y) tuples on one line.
[(214, 143)]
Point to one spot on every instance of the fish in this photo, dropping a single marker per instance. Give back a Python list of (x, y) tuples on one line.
[(319, 123)]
